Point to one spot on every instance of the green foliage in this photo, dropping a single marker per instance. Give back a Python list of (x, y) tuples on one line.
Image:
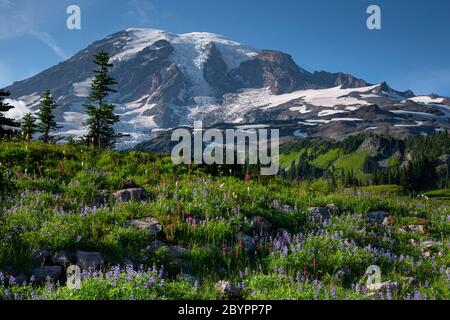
[(101, 114), (28, 126), (4, 107), (324, 161), (60, 197), (47, 120)]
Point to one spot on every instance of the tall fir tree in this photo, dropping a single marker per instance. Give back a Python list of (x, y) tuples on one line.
[(101, 114), (47, 120), (4, 107), (28, 126)]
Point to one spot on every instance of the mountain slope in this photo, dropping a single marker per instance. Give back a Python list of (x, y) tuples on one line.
[(166, 80)]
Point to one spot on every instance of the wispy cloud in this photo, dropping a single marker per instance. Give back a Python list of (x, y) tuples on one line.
[(144, 11), (22, 19)]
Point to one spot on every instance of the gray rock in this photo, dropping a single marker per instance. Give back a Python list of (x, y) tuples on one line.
[(378, 217), (148, 224), (414, 229), (226, 289), (322, 212), (191, 279), (377, 289), (63, 258), (178, 251), (46, 273), (260, 224), (133, 194), (89, 260), (155, 245), (41, 257), (333, 209), (282, 231)]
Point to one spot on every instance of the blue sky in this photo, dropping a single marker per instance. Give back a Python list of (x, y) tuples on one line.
[(411, 50)]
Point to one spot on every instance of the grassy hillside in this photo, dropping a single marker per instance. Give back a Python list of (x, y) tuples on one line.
[(259, 235)]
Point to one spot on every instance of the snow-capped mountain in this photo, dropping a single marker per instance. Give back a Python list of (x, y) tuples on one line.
[(166, 80)]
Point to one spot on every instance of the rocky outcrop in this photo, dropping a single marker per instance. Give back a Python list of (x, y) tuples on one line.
[(328, 80), (275, 70)]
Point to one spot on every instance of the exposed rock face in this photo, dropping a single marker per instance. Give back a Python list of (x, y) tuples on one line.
[(328, 80), (216, 71), (89, 260), (275, 70)]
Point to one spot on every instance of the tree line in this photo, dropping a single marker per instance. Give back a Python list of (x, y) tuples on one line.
[(101, 116)]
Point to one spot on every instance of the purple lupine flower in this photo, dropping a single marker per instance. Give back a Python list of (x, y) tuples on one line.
[(417, 296), (333, 292), (12, 281)]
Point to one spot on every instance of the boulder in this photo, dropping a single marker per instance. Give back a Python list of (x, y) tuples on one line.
[(260, 224), (151, 225), (377, 289), (322, 212), (178, 251), (89, 260), (226, 289), (47, 273), (41, 257), (133, 194), (282, 231), (191, 279), (333, 209), (62, 258), (378, 217), (155, 245)]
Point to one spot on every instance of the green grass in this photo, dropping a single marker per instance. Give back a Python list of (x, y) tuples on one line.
[(354, 161), (324, 161), (50, 204), (383, 190), (286, 159), (443, 194), (393, 162)]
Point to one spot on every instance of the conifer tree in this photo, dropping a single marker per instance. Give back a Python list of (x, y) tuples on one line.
[(101, 114), (47, 119), (28, 126), (4, 107)]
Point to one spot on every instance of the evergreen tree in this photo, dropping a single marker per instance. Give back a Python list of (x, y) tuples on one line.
[(101, 114), (4, 107), (46, 117), (28, 126)]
